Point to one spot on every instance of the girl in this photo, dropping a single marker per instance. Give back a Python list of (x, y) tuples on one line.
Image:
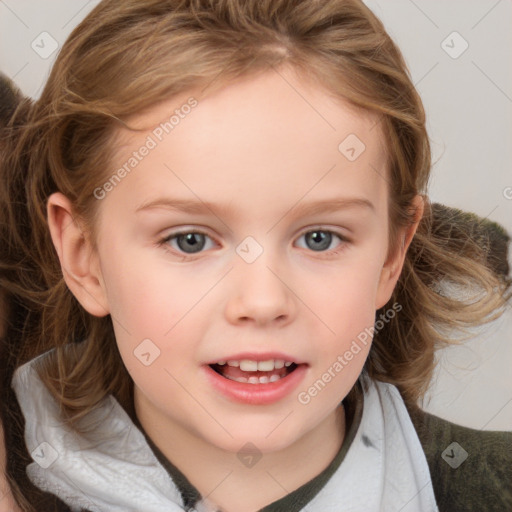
[(226, 281)]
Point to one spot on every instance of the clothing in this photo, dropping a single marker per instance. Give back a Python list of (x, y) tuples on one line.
[(483, 481), (384, 465)]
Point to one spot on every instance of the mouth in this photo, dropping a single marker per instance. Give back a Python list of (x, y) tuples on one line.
[(261, 382), (251, 373)]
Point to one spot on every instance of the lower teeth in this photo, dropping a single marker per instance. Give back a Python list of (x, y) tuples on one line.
[(255, 380)]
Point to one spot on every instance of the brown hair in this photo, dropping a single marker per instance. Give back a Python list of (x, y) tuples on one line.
[(126, 57)]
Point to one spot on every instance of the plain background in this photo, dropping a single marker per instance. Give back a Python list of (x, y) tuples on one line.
[(468, 99)]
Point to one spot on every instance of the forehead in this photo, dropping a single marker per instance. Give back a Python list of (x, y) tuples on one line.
[(273, 131)]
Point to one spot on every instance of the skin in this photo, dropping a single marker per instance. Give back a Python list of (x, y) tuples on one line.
[(258, 147)]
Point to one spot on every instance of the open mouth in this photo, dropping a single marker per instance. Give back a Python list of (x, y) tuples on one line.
[(253, 377)]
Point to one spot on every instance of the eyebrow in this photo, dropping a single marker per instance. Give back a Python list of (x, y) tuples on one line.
[(204, 207)]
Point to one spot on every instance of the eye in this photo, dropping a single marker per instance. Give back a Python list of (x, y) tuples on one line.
[(318, 240), (188, 242), (193, 242)]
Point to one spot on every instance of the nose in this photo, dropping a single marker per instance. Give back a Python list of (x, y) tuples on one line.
[(260, 294)]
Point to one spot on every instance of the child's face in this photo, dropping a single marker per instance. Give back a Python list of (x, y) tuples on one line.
[(256, 153)]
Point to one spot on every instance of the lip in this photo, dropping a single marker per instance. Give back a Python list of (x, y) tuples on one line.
[(256, 394), (253, 356)]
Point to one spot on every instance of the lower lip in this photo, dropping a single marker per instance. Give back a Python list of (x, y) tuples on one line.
[(257, 394)]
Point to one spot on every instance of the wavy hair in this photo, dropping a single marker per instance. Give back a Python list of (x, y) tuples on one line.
[(125, 57)]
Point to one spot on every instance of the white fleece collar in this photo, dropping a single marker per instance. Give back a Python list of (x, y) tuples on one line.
[(113, 469)]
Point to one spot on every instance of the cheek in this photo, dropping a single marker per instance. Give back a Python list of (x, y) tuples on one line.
[(139, 300), (151, 301), (140, 292), (345, 305), (151, 329), (347, 294)]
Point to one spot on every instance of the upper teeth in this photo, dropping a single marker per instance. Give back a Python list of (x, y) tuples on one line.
[(248, 365)]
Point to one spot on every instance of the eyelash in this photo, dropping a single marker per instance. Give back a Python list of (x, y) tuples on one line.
[(333, 252)]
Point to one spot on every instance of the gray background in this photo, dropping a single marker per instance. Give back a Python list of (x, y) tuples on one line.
[(468, 99)]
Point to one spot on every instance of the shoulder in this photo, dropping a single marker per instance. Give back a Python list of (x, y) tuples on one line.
[(471, 469)]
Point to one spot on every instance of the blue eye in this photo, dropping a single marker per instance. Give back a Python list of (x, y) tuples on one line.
[(321, 239), (193, 242), (190, 242)]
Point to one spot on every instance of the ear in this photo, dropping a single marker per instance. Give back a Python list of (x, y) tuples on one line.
[(393, 266), (79, 263)]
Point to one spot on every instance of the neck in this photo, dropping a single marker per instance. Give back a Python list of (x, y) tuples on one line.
[(219, 475)]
